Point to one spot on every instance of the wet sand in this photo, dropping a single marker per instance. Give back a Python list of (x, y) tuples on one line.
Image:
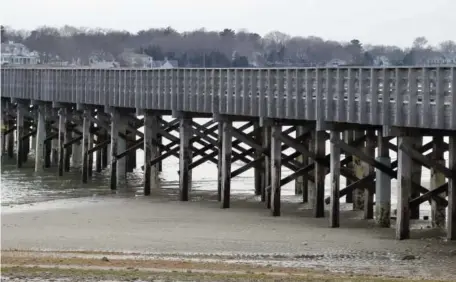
[(160, 227)]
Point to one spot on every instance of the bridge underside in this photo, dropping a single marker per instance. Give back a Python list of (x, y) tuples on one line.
[(69, 135)]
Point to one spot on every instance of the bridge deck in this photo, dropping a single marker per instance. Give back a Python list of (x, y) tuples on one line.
[(405, 97)]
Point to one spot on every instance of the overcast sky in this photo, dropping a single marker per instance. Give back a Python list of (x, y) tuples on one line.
[(381, 22)]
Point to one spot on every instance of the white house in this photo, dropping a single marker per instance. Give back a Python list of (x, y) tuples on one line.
[(18, 54), (442, 60)]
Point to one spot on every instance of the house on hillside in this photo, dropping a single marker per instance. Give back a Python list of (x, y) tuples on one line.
[(18, 54), (444, 59), (382, 61), (102, 60), (129, 58), (336, 63)]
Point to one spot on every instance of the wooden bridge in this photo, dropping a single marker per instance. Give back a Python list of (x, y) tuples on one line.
[(359, 110)]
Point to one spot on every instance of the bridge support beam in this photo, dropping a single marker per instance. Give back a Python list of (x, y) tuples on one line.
[(369, 170), (383, 184), (266, 193), (115, 123), (40, 136), (151, 180), (89, 152), (219, 161), (360, 170), (416, 178), (301, 183), (348, 138), (276, 169), (20, 149), (226, 162), (76, 151), (334, 210), (437, 179), (185, 157), (61, 140), (320, 173), (10, 139), (404, 188), (85, 145), (451, 219), (258, 168)]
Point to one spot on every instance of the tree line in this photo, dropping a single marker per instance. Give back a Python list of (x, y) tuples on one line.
[(226, 48)]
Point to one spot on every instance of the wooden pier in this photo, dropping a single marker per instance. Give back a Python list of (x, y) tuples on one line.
[(72, 114)]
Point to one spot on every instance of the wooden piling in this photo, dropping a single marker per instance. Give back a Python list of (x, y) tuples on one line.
[(115, 120), (151, 127), (416, 178), (348, 138), (451, 218), (105, 150), (266, 194), (383, 184), (276, 167), (320, 173), (10, 140), (404, 187), (76, 150), (19, 134), (85, 145), (90, 154), (368, 169), (68, 151), (437, 179), (226, 163), (301, 183), (361, 170), (219, 161), (121, 163), (185, 157), (98, 155), (26, 143), (48, 143), (334, 211), (40, 136), (258, 168), (61, 140)]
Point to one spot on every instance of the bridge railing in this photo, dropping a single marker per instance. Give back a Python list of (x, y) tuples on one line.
[(413, 97)]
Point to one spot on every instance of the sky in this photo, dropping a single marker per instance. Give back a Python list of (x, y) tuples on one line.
[(390, 22)]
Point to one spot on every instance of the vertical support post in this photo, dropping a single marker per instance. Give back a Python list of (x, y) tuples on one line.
[(68, 149), (85, 145), (276, 167), (383, 185), (226, 163), (334, 211), (160, 151), (451, 219), (105, 150), (40, 136), (115, 120), (416, 177), (311, 189), (61, 140), (301, 183), (131, 156), (122, 162), (368, 169), (437, 179), (404, 187), (90, 155), (359, 169), (76, 151), (185, 157), (98, 154), (150, 152), (320, 173), (48, 144), (10, 140), (54, 151), (258, 173), (19, 134), (220, 160), (26, 143), (266, 196), (348, 137)]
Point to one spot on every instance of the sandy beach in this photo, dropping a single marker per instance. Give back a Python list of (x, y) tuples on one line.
[(159, 227)]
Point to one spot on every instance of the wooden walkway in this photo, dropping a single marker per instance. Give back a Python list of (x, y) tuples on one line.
[(74, 113)]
